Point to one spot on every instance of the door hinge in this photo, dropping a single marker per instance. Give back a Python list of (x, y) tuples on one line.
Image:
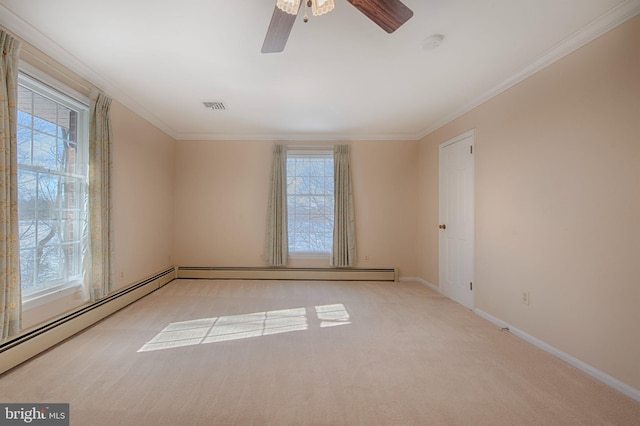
[(471, 286), (471, 149)]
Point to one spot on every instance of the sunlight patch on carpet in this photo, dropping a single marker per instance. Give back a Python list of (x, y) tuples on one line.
[(244, 326)]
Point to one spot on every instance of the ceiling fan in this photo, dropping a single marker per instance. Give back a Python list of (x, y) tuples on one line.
[(387, 14)]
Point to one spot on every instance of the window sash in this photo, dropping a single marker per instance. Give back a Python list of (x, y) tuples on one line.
[(310, 203), (60, 215)]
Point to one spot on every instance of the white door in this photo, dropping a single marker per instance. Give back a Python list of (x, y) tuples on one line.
[(456, 199)]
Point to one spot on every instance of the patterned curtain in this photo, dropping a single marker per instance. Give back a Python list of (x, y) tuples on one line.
[(277, 243), (10, 287), (99, 266), (343, 253)]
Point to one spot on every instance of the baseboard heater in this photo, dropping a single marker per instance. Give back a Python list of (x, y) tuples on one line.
[(298, 274), (34, 341)]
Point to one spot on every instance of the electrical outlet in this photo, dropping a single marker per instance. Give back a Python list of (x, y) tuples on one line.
[(526, 298), (366, 258)]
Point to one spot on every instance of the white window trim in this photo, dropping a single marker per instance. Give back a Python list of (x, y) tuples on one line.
[(56, 293), (36, 80), (309, 255), (312, 152), (50, 85)]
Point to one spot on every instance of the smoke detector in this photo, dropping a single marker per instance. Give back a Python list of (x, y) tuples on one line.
[(432, 42)]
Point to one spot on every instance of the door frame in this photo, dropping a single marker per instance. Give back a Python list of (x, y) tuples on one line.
[(441, 220)]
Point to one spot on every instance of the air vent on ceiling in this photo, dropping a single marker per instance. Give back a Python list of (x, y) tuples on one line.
[(215, 105)]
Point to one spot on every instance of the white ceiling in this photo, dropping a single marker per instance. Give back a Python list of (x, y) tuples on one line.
[(340, 76)]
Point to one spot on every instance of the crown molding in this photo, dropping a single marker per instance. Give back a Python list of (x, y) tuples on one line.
[(588, 33), (28, 33), (292, 137)]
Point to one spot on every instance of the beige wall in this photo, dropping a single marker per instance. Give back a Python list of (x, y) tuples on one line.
[(558, 203), (221, 202), (428, 211), (143, 193)]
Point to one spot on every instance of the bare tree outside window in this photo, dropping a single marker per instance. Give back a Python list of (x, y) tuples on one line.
[(310, 202), (50, 192)]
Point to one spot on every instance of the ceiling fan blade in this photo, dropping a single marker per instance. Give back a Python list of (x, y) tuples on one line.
[(278, 31), (387, 14)]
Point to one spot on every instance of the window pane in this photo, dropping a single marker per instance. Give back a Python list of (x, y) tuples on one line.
[(24, 145), (44, 150), (66, 123), (27, 271), (328, 170), (25, 107), (310, 203), (44, 112), (24, 119), (51, 263), (50, 194)]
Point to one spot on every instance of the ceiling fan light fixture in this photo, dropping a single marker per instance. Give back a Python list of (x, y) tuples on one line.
[(289, 6), (320, 7), (387, 14)]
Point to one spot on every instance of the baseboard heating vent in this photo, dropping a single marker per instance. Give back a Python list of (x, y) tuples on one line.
[(298, 274), (38, 339)]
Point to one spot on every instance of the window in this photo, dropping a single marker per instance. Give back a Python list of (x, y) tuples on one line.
[(52, 172), (310, 201)]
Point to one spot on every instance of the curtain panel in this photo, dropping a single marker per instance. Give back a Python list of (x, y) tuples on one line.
[(10, 286), (343, 253), (277, 243), (98, 259)]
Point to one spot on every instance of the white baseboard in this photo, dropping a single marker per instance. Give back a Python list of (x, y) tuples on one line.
[(421, 281), (593, 372)]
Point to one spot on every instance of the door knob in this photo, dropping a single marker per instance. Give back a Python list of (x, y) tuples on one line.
[(443, 226)]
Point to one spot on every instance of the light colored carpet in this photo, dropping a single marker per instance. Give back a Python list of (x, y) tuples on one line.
[(311, 353)]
